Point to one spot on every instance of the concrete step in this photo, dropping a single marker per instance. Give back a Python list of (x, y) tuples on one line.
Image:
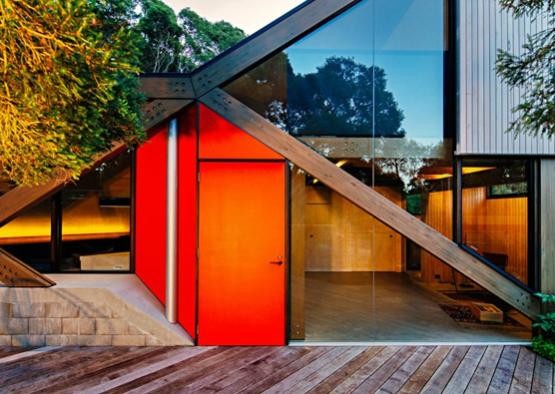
[(86, 310)]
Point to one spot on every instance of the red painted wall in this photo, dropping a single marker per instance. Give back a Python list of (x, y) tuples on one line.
[(150, 212), (187, 221), (220, 139)]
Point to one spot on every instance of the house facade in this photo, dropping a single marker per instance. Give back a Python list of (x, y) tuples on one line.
[(343, 175)]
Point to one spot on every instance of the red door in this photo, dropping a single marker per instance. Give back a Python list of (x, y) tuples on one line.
[(242, 253)]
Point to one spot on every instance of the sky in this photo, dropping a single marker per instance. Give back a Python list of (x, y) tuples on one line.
[(411, 56), (249, 15)]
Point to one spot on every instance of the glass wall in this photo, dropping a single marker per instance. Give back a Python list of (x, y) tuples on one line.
[(27, 237), (96, 216), (495, 213), (366, 91), (84, 227)]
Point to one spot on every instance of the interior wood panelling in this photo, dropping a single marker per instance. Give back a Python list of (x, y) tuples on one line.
[(342, 237), (485, 102), (370, 201), (495, 225)]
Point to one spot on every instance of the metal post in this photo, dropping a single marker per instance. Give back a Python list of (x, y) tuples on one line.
[(171, 224)]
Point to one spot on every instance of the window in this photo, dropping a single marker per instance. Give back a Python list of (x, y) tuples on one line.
[(495, 213)]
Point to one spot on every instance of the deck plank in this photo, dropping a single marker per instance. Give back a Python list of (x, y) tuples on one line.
[(361, 374), (324, 372), (419, 379), (400, 377), (40, 377), (306, 371), (543, 376), (298, 369), (483, 374), (445, 371), (203, 382), (45, 366), (380, 376), (461, 378), (336, 378), (522, 378), (189, 370), (281, 374), (260, 369), (503, 375), (118, 375)]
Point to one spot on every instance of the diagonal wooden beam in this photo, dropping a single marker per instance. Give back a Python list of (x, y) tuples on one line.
[(371, 201), (166, 87), (264, 43), (15, 273)]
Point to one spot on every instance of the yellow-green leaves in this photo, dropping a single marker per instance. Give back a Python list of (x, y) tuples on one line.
[(67, 88)]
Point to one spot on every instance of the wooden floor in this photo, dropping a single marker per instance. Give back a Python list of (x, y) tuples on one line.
[(391, 369)]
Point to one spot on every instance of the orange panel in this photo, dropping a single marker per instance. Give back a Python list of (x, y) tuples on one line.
[(187, 222), (242, 230), (150, 212), (219, 139)]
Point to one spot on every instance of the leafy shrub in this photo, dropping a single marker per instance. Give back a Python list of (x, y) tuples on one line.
[(544, 342)]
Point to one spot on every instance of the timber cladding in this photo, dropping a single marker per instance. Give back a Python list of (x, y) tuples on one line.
[(371, 201)]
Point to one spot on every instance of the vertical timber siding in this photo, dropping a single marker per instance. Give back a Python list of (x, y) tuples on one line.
[(485, 102), (547, 228)]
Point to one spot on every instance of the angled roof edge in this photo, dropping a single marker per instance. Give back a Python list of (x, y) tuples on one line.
[(295, 24), (277, 35)]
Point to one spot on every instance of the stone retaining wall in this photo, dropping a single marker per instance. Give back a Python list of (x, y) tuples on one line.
[(77, 317)]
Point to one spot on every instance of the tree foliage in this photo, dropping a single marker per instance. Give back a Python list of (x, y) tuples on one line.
[(533, 70), (341, 97), (161, 38), (344, 97), (68, 87), (69, 70), (180, 43)]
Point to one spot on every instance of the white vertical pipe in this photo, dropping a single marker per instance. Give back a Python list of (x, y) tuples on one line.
[(171, 225)]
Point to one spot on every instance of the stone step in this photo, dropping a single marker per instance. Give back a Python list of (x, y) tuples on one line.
[(86, 310)]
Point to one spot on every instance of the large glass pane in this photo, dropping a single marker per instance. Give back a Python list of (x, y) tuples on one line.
[(27, 236), (355, 279), (96, 219), (495, 213)]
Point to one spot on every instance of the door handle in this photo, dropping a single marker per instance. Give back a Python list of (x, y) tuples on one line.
[(278, 262)]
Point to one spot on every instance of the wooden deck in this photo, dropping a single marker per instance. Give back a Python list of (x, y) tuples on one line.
[(391, 369)]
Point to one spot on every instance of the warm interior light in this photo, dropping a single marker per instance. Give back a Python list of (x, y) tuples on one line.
[(473, 170)]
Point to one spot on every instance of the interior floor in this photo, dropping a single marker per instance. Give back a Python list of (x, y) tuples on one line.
[(385, 306)]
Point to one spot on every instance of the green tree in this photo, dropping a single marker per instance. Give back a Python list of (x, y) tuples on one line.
[(68, 85), (204, 40), (161, 38), (533, 70)]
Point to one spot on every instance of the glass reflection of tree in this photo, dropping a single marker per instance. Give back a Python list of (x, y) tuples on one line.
[(341, 98), (412, 157)]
